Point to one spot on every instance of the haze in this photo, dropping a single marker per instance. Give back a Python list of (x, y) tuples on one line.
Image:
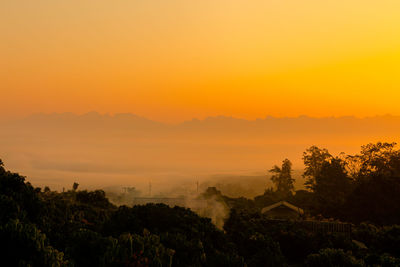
[(203, 74), (100, 150)]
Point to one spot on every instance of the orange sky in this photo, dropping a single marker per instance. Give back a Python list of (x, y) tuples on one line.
[(175, 60)]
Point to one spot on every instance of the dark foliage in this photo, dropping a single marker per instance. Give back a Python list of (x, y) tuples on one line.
[(196, 240), (82, 228), (333, 258)]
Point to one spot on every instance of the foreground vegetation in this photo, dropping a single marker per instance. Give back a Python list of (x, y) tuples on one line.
[(80, 228)]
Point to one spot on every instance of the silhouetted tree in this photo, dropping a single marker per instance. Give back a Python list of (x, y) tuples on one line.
[(282, 178), (75, 186), (380, 159), (331, 186), (314, 158), (376, 192)]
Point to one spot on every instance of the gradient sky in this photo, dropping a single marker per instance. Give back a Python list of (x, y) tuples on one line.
[(178, 59)]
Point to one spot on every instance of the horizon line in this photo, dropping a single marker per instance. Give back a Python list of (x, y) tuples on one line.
[(116, 114)]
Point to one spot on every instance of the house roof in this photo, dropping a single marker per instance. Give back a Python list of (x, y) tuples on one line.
[(283, 203)]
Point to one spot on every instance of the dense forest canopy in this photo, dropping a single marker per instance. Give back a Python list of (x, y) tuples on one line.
[(41, 227)]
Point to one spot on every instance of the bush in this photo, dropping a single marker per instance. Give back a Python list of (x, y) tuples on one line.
[(333, 258), (24, 245)]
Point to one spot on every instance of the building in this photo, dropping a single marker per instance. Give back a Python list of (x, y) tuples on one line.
[(283, 210)]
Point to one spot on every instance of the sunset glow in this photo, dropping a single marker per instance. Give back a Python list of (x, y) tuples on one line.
[(174, 133), (174, 60)]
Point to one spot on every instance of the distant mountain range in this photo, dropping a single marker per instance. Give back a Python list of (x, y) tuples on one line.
[(285, 126)]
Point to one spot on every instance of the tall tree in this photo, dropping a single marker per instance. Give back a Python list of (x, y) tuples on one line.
[(376, 194), (282, 177), (332, 186), (313, 158), (380, 159)]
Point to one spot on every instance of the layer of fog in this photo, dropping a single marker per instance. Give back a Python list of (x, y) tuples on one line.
[(103, 151)]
